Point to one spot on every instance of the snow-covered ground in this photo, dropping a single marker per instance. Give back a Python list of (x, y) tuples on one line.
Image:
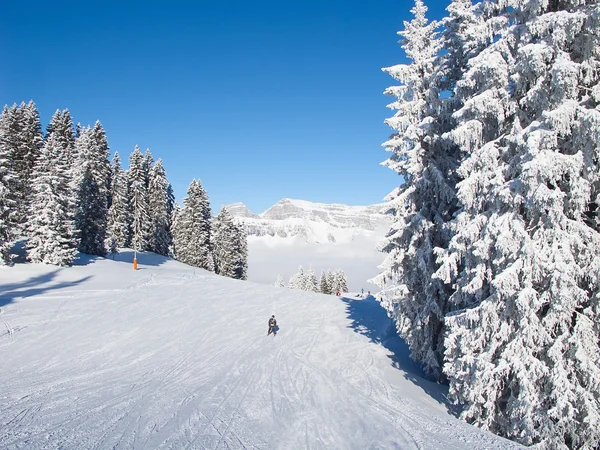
[(98, 356)]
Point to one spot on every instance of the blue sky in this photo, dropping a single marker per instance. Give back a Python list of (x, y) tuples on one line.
[(259, 100)]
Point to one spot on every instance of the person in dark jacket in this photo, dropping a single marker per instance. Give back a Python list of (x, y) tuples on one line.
[(272, 326)]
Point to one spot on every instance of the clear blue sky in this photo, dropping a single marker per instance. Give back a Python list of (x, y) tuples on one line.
[(260, 100)]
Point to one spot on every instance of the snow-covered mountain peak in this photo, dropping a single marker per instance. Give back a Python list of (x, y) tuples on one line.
[(311, 221)]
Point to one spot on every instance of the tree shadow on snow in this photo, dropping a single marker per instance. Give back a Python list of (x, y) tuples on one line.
[(33, 286), (370, 319)]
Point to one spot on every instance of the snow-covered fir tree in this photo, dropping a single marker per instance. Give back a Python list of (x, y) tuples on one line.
[(160, 203), (61, 125), (92, 176), (90, 218), (50, 226), (178, 243), (425, 202), (229, 247), (119, 218), (8, 198), (29, 141), (331, 282), (324, 286), (21, 139), (311, 283), (147, 165), (297, 280), (141, 225), (340, 282), (522, 349), (192, 230), (279, 281)]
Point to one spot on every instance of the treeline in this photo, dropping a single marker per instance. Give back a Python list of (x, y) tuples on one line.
[(61, 194), (331, 282)]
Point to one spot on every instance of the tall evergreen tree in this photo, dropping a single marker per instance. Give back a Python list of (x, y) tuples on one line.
[(240, 250), (522, 351), (91, 148), (324, 286), (50, 226), (25, 155), (311, 283), (223, 237), (8, 198), (90, 219), (297, 281), (425, 202), (119, 219), (279, 281), (147, 165), (193, 229), (61, 125), (138, 197), (161, 209)]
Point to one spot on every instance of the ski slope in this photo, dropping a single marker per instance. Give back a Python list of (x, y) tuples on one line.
[(98, 356)]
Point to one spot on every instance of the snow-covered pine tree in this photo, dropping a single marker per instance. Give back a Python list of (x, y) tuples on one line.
[(61, 125), (522, 349), (230, 247), (90, 218), (297, 280), (240, 269), (324, 284), (141, 224), (119, 219), (92, 169), (29, 142), (147, 165), (311, 283), (192, 232), (331, 281), (8, 200), (161, 209), (341, 282), (50, 226), (222, 240), (425, 202), (279, 281), (179, 244)]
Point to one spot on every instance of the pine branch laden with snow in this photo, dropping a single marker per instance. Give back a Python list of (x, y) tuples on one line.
[(522, 349), (51, 227), (426, 201)]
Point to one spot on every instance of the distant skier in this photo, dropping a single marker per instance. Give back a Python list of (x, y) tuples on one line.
[(272, 326)]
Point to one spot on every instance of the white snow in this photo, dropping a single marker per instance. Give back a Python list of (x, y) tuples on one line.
[(100, 356)]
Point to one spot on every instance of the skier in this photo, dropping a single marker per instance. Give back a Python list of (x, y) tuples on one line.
[(272, 326)]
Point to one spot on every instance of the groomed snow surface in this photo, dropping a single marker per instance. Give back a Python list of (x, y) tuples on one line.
[(99, 356)]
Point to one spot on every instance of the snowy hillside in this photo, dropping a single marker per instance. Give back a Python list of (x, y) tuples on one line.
[(297, 232), (100, 356)]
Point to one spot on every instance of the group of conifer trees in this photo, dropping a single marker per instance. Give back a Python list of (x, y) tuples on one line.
[(494, 256), (331, 281), (61, 194)]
